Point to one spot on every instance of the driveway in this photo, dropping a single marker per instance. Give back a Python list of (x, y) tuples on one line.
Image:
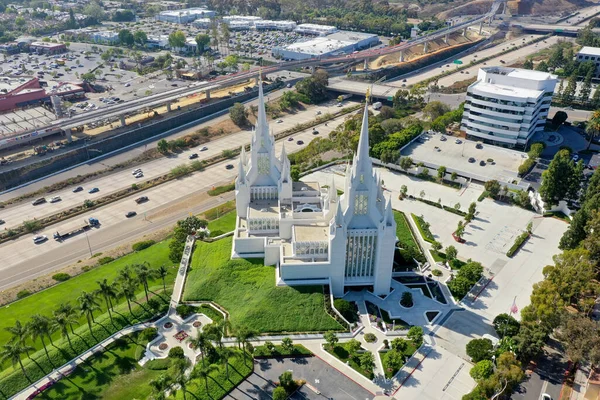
[(327, 380)]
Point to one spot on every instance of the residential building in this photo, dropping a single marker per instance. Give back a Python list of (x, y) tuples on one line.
[(507, 106), (590, 54), (312, 235)]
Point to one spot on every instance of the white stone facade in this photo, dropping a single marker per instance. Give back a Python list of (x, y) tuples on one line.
[(507, 106), (310, 233)]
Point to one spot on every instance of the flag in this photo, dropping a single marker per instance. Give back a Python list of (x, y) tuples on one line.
[(514, 309)]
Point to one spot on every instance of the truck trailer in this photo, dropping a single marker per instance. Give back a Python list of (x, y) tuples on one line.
[(89, 224)]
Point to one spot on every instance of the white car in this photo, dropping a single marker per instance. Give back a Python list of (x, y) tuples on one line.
[(40, 239), (279, 121), (546, 396), (136, 171), (55, 199), (575, 157), (204, 148), (139, 175)]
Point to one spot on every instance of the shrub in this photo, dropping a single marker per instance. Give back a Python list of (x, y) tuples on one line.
[(518, 243), (176, 352), (149, 334), (370, 338), (526, 166), (61, 277), (23, 294), (415, 333), (436, 272), (346, 309), (221, 189), (482, 370), (180, 170), (406, 300), (480, 349), (32, 225), (142, 245), (105, 260), (159, 364), (185, 310), (506, 325)]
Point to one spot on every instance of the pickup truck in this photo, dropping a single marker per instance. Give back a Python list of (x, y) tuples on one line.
[(91, 222)]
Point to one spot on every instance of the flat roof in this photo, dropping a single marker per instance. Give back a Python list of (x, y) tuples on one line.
[(304, 186), (263, 209), (350, 36), (10, 83), (311, 233), (47, 44), (495, 89), (588, 50), (529, 74), (317, 46)]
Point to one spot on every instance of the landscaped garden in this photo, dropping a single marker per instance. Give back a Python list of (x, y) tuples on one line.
[(223, 224), (354, 355), (393, 324), (409, 249), (246, 289), (396, 356)]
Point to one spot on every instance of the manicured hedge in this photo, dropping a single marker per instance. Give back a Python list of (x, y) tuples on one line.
[(61, 277), (297, 350), (519, 241), (142, 245), (425, 232)]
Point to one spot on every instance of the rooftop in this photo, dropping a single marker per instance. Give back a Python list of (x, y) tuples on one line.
[(306, 186), (263, 209), (311, 233), (495, 89), (350, 36), (519, 73), (47, 44), (591, 51), (317, 46), (10, 83)]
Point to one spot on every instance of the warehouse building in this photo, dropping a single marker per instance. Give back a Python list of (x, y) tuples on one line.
[(341, 42), (316, 29)]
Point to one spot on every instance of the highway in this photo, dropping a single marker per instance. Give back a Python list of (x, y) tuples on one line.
[(22, 260)]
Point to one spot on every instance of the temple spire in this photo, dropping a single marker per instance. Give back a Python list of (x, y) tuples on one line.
[(262, 128), (241, 178), (243, 156), (362, 160), (332, 191)]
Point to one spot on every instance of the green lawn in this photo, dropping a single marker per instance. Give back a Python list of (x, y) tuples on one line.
[(223, 224), (403, 231), (114, 374), (246, 289), (438, 256), (45, 302), (341, 352)]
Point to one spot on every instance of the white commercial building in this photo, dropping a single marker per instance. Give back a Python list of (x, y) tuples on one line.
[(184, 16), (340, 42), (316, 29), (507, 106), (157, 41), (104, 36), (590, 54), (202, 23), (265, 24), (312, 235)]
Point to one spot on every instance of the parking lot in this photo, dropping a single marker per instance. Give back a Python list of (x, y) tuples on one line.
[(463, 155)]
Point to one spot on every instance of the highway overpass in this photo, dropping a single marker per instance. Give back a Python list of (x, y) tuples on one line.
[(565, 30)]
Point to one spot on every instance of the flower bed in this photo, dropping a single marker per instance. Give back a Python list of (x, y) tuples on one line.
[(197, 324), (181, 336), (163, 346), (168, 325)]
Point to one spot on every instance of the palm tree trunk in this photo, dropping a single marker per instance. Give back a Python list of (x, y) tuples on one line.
[(164, 286), (89, 323), (45, 349), (25, 373), (108, 307), (129, 305), (50, 337), (146, 291), (69, 339), (72, 331), (206, 383)]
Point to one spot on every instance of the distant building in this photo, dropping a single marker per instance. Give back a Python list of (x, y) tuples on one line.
[(315, 29), (104, 37), (184, 16), (157, 41), (285, 26), (590, 54), (246, 22), (47, 48), (202, 23), (341, 42), (19, 92), (507, 106), (10, 48)]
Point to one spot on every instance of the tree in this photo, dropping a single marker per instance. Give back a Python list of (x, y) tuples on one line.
[(143, 274), (530, 340), (399, 344), (542, 66), (39, 327), (451, 253), (162, 272), (556, 57), (140, 38), (88, 77), (200, 342), (62, 322), (108, 292), (126, 288), (243, 335), (202, 40), (506, 325), (592, 128), (460, 229), (436, 246), (441, 171), (482, 370), (279, 393), (287, 344), (586, 88), (528, 64), (406, 163), (88, 304), (508, 373), (559, 180), (238, 114), (569, 93), (367, 361), (415, 333), (559, 118), (492, 187), (406, 300), (581, 337), (435, 109), (480, 349), (13, 352), (224, 354), (232, 61), (19, 334), (453, 176), (178, 373), (353, 346), (126, 37), (596, 98), (94, 11), (314, 87), (331, 339), (177, 39), (403, 190), (159, 386)]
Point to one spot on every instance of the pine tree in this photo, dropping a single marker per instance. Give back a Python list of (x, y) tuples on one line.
[(586, 88), (596, 98), (570, 91), (528, 64)]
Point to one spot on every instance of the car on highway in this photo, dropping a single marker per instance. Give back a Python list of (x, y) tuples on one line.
[(545, 396), (443, 138), (482, 163), (93, 190), (78, 189), (55, 199), (131, 214), (40, 239), (299, 142), (289, 85), (279, 121), (2, 222), (290, 139), (193, 155), (39, 201), (472, 160), (141, 199), (204, 148), (139, 175), (127, 84), (315, 132), (229, 166), (136, 171)]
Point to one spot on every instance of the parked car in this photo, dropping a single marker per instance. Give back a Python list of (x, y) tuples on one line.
[(40, 239), (41, 200), (193, 155), (479, 146), (299, 142), (55, 199), (93, 190), (131, 214), (229, 166), (141, 199), (471, 160)]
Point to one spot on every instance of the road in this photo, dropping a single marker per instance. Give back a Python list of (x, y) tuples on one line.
[(15, 215), (22, 260), (547, 377)]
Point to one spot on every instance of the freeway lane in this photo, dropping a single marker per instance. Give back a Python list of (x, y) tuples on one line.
[(22, 260), (15, 215)]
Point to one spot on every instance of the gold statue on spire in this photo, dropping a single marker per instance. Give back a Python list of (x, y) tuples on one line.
[(368, 95)]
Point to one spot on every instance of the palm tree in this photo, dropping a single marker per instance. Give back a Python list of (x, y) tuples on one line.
[(204, 372), (225, 353), (127, 289), (179, 377), (39, 327), (593, 126), (62, 322), (108, 292), (88, 304), (19, 334), (69, 312), (13, 352), (162, 273), (159, 385), (243, 335), (143, 275), (201, 342)]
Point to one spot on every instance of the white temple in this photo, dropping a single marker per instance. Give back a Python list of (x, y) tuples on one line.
[(312, 235)]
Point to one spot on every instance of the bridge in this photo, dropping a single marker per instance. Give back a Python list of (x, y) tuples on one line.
[(565, 30)]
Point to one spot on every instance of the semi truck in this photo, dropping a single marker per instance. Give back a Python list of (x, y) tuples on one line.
[(89, 224)]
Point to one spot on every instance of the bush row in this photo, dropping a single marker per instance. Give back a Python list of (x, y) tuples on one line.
[(142, 245), (519, 241)]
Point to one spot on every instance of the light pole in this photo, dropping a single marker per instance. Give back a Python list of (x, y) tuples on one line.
[(88, 242)]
